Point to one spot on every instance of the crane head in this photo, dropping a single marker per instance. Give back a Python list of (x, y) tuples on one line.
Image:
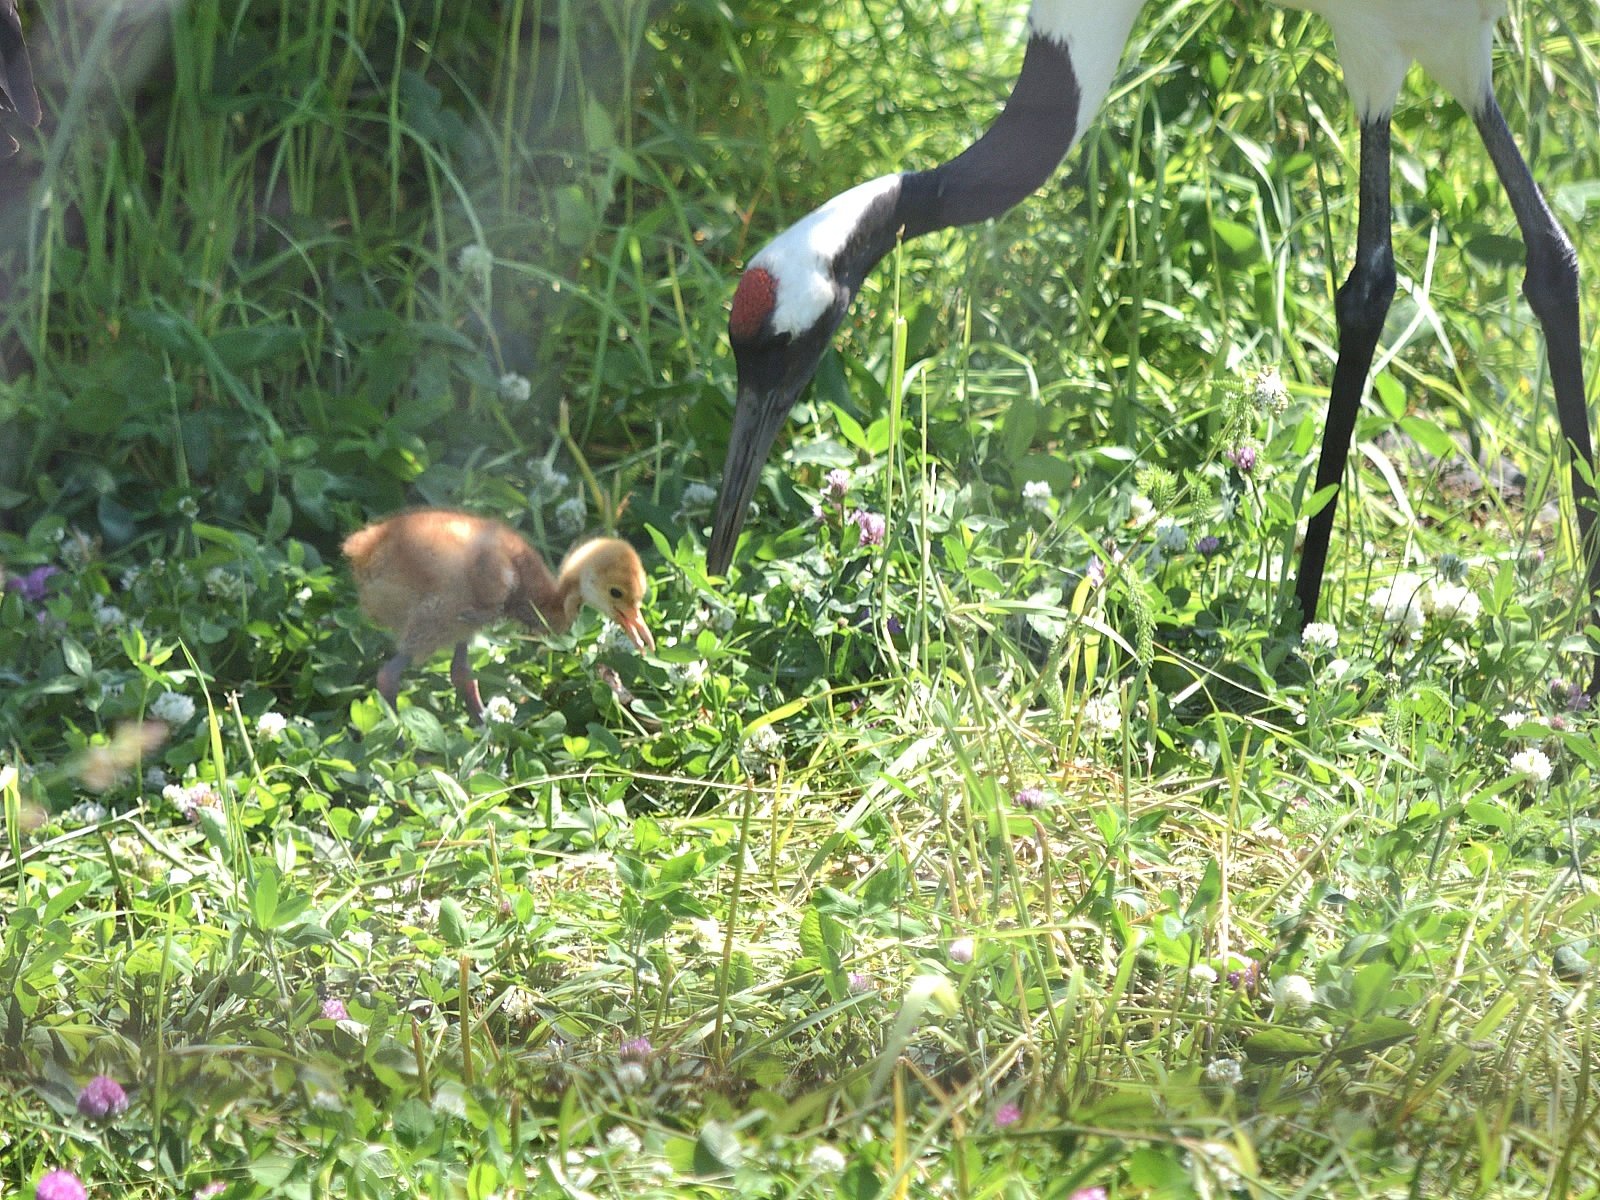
[(786, 308)]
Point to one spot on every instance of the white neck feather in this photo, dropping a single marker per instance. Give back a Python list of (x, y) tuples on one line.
[(799, 258)]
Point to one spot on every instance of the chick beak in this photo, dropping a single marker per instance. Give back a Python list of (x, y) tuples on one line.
[(633, 625)]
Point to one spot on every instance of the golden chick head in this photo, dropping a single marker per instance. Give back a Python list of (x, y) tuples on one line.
[(610, 578)]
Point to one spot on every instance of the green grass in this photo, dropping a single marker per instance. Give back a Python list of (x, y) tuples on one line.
[(1036, 811)]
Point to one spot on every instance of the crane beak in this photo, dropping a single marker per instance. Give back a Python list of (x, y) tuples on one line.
[(633, 625), (757, 417)]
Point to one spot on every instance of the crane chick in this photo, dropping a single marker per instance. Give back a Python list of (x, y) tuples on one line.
[(434, 576)]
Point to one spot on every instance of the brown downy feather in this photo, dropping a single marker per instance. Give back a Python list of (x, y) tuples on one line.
[(434, 576)]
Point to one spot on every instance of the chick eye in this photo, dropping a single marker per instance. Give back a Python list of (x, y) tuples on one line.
[(616, 593)]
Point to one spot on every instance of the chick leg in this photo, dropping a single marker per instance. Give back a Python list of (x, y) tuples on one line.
[(466, 685), (389, 678)]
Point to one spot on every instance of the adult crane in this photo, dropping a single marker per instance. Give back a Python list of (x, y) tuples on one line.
[(795, 291)]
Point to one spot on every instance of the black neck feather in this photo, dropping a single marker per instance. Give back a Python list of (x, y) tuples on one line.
[(1014, 156)]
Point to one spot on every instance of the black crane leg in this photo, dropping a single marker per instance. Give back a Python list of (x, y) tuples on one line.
[(1551, 287), (466, 685), (389, 679), (1363, 304)]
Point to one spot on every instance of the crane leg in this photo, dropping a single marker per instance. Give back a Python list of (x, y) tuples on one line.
[(466, 685), (1551, 286), (389, 679), (1363, 304)]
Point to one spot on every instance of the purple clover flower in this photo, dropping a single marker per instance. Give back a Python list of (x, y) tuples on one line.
[(872, 525), (1006, 1115), (836, 484), (638, 1049), (32, 587), (333, 1009), (1248, 979), (1569, 696), (1243, 458), (60, 1185), (1208, 545), (1032, 799), (102, 1097)]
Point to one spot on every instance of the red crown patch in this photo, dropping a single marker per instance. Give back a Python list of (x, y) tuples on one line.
[(753, 301)]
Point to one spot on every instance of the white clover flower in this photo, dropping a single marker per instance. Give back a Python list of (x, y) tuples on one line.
[(631, 1076), (77, 547), (1451, 602), (1226, 1072), (270, 726), (544, 481), (515, 388), (613, 640), (86, 812), (570, 515), (172, 707), (1203, 975), (1399, 603), (476, 261), (1319, 636), (107, 616), (327, 1100), (1292, 993), (620, 1137), (499, 711), (961, 950), (1102, 716), (1036, 496), (1268, 393), (1171, 536), (1515, 718), (688, 676), (825, 1159), (697, 496), (223, 584), (190, 799), (1531, 764), (519, 1004), (130, 577), (760, 748)]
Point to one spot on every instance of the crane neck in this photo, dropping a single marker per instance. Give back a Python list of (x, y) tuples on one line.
[(1015, 155), (1072, 53)]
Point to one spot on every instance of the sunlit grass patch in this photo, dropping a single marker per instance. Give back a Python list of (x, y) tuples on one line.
[(992, 827)]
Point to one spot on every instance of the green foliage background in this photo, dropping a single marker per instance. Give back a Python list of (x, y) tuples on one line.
[(791, 851)]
